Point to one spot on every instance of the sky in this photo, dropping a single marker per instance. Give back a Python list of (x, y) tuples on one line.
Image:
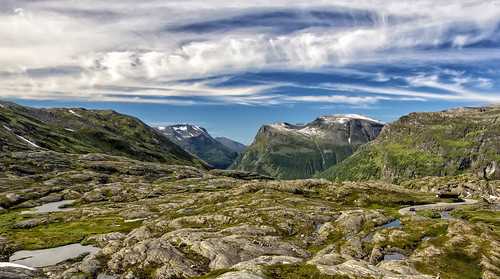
[(232, 66)]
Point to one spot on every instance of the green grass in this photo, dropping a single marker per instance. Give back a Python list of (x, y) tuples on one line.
[(49, 235), (295, 271), (475, 215)]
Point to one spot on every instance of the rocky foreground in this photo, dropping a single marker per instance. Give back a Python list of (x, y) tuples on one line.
[(157, 221)]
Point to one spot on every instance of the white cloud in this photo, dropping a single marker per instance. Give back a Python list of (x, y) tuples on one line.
[(124, 44)]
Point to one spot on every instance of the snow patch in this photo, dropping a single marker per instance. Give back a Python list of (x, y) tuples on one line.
[(197, 128), (74, 113), (1, 106), (7, 128), (162, 128), (5, 264), (343, 118), (181, 128), (494, 197), (26, 140), (68, 129)]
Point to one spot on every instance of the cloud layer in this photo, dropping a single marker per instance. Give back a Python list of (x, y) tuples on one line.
[(203, 52)]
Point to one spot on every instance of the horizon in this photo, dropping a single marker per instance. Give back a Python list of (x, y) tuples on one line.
[(232, 67)]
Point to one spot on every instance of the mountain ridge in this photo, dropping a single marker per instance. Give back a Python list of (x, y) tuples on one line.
[(80, 131), (444, 143), (200, 143), (303, 150)]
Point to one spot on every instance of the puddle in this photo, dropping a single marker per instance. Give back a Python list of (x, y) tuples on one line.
[(134, 220), (318, 226), (5, 264), (50, 207), (52, 256), (395, 223), (349, 236), (394, 256), (210, 186), (427, 237), (104, 276), (446, 215), (191, 185)]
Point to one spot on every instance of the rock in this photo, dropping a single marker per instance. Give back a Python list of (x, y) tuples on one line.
[(327, 256), (351, 221), (376, 255), (255, 265), (52, 198), (103, 240), (239, 275), (153, 253), (25, 224), (353, 249)]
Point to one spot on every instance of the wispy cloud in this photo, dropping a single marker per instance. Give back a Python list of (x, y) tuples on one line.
[(143, 51)]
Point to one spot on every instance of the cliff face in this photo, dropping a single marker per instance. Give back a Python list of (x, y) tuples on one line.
[(446, 143), (303, 150)]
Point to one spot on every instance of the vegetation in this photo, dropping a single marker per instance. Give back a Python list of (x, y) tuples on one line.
[(424, 144)]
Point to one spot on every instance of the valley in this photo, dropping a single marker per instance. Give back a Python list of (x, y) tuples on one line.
[(146, 218)]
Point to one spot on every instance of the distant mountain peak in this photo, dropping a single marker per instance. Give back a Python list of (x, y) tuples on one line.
[(302, 150), (199, 142)]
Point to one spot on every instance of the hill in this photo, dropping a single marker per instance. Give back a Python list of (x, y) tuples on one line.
[(420, 144), (80, 131)]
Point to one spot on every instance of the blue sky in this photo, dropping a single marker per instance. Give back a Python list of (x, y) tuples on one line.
[(231, 66)]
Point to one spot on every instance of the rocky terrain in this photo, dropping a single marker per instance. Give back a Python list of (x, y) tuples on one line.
[(162, 221), (298, 151), (81, 131), (442, 144), (200, 143), (155, 218)]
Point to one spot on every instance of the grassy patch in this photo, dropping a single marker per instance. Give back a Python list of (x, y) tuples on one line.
[(295, 271), (429, 213), (51, 235), (474, 215), (213, 274)]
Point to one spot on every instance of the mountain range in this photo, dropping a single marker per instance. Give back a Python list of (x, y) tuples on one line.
[(149, 209), (200, 143), (289, 151)]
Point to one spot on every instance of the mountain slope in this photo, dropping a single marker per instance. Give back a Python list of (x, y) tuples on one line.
[(197, 141), (234, 145), (300, 151), (446, 143), (81, 131)]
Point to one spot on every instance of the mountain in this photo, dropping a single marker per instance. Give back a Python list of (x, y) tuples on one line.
[(80, 131), (197, 141), (234, 145), (420, 144), (296, 151)]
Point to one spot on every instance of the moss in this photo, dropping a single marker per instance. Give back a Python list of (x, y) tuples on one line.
[(475, 215), (429, 213), (213, 274), (295, 271)]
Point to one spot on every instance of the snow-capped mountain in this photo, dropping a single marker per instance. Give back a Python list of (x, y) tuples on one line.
[(302, 150), (200, 143)]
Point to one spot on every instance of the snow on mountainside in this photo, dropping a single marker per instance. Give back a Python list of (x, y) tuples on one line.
[(302, 150), (199, 142)]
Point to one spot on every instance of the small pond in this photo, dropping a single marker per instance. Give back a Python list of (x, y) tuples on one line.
[(446, 215), (104, 276), (50, 207), (427, 237), (395, 223), (51, 256), (393, 256)]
